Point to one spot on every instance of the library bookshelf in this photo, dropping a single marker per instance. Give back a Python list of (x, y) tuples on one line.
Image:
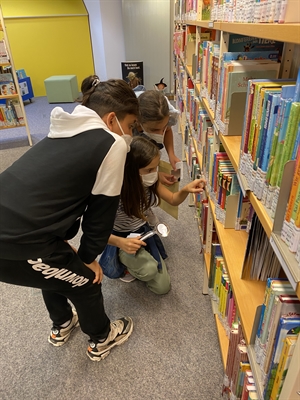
[(20, 120), (248, 294)]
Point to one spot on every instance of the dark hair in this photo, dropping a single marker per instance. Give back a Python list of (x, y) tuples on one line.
[(133, 194), (107, 96), (153, 106)]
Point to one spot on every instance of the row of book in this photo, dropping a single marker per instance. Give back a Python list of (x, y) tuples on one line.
[(232, 208), (290, 233), (11, 114), (238, 380), (224, 77), (260, 261), (192, 10), (250, 11), (271, 139), (277, 332), (256, 11), (4, 59)]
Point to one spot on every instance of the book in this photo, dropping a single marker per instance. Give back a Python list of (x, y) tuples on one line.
[(242, 56), (216, 251), (262, 123), (286, 327), (249, 44), (274, 100), (133, 66), (238, 82), (280, 142), (287, 92), (289, 11), (283, 365), (21, 74), (205, 10), (7, 86), (284, 306), (243, 213), (4, 59), (290, 137), (287, 228)]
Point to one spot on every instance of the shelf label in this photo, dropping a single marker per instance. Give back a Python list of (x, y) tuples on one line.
[(211, 24)]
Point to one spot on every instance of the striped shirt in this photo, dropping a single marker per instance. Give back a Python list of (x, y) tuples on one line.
[(124, 223)]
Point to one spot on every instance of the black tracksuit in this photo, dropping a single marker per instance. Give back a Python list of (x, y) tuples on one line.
[(74, 175)]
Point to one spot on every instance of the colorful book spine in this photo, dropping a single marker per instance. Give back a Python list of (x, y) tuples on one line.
[(287, 326), (283, 366), (290, 137), (280, 144), (287, 227)]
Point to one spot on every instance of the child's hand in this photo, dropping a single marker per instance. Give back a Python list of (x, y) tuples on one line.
[(166, 179), (96, 268), (174, 160), (196, 186), (131, 245)]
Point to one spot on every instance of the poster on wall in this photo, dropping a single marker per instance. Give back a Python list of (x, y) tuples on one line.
[(133, 70)]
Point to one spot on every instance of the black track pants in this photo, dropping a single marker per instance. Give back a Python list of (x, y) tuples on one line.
[(62, 276)]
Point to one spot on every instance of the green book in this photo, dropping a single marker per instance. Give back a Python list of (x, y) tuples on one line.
[(290, 137), (263, 120), (280, 143)]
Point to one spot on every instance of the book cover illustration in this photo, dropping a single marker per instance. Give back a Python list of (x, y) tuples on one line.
[(286, 327), (7, 86), (248, 44), (133, 66)]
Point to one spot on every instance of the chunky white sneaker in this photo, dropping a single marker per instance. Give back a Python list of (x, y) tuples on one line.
[(120, 331), (59, 336), (127, 277)]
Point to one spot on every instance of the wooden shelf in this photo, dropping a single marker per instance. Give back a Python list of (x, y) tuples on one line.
[(209, 111), (262, 213), (12, 126), (198, 154), (232, 146), (207, 262), (223, 340), (282, 32), (248, 294), (9, 96)]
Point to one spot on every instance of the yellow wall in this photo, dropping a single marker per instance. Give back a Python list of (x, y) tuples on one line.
[(44, 43)]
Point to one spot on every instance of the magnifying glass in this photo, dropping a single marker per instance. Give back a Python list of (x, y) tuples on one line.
[(160, 229)]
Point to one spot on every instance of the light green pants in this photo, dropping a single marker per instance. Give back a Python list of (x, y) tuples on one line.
[(144, 267)]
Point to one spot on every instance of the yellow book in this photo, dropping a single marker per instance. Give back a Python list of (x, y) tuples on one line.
[(284, 362), (219, 268)]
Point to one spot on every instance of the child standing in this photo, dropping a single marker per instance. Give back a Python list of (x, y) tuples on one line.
[(69, 176), (155, 120)]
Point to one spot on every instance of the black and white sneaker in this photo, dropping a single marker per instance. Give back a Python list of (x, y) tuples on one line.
[(120, 331), (59, 336)]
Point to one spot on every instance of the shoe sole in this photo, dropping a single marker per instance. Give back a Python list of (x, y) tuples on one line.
[(62, 342), (128, 280), (106, 353)]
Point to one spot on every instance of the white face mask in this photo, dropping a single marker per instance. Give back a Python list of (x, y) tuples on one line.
[(150, 179), (158, 137), (127, 138)]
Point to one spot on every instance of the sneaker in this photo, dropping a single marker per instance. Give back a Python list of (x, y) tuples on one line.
[(120, 331), (59, 335), (127, 277)]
